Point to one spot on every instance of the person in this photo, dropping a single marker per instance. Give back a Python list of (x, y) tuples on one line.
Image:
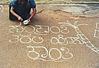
[(22, 10)]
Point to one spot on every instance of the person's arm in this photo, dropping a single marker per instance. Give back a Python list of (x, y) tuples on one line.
[(33, 8), (16, 15), (33, 12)]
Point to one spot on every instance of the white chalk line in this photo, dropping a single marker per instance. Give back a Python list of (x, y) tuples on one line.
[(84, 39), (24, 37), (48, 54), (65, 41), (96, 33), (41, 27), (16, 38)]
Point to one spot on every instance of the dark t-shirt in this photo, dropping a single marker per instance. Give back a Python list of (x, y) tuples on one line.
[(23, 9)]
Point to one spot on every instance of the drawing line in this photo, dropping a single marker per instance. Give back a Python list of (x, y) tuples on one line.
[(83, 38)]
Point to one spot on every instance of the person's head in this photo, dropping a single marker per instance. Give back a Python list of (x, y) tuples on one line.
[(22, 1)]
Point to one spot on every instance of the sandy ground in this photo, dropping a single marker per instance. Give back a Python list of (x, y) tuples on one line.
[(14, 40)]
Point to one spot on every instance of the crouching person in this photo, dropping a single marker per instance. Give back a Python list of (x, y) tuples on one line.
[(22, 10)]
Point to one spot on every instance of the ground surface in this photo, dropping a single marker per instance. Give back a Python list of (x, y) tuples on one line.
[(23, 47)]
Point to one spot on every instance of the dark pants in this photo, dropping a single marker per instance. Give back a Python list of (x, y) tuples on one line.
[(24, 12)]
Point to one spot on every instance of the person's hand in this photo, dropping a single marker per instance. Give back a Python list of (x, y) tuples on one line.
[(26, 22), (20, 19)]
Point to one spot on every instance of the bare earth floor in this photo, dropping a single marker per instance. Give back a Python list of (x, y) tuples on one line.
[(54, 39)]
